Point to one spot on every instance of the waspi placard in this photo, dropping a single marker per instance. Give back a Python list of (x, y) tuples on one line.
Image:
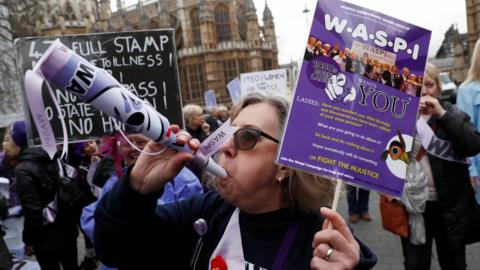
[(354, 109)]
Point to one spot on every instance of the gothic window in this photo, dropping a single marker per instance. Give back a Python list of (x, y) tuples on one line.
[(222, 22), (229, 70), (69, 12), (233, 69), (195, 27), (241, 22), (193, 77), (242, 66), (267, 64)]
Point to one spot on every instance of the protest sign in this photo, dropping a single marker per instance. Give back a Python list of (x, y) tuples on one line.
[(145, 62), (270, 81), (352, 117), (234, 89), (210, 99)]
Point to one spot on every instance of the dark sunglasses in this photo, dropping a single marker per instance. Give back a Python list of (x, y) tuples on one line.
[(246, 138)]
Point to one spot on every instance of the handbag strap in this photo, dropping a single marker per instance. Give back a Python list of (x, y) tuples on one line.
[(287, 242), (61, 170)]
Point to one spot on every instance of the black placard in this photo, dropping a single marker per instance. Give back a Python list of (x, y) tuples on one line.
[(145, 62)]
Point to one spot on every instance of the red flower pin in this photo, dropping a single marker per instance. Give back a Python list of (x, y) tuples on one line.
[(218, 263)]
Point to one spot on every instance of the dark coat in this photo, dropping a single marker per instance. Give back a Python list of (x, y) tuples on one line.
[(397, 81), (387, 77), (132, 234), (452, 180), (37, 184)]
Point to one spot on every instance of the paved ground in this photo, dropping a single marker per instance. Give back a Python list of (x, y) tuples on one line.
[(386, 245)]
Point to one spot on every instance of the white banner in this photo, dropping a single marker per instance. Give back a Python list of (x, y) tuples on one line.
[(437, 147), (212, 143), (271, 81)]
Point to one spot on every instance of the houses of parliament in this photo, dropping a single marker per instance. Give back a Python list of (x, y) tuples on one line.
[(216, 40)]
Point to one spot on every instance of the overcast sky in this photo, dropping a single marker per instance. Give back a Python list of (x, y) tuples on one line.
[(291, 23)]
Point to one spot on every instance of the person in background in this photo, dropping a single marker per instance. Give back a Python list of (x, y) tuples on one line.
[(5, 256), (387, 75), (310, 49), (419, 85), (318, 49), (184, 185), (377, 70), (450, 211), (348, 60), (468, 100), (357, 200), (411, 85), (82, 156), (356, 63), (13, 224), (52, 238), (243, 224), (195, 123), (223, 115), (198, 128), (334, 51), (397, 79), (404, 78), (326, 49), (340, 59), (212, 118)]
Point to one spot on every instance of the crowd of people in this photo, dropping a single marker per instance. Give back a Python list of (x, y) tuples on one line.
[(366, 65), (37, 221), (258, 191), (139, 211)]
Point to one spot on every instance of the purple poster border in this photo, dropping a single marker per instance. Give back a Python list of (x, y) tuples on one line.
[(354, 108)]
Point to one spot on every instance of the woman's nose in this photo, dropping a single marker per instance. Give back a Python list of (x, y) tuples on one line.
[(228, 148)]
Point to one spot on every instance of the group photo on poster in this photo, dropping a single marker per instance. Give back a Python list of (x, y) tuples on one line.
[(373, 63)]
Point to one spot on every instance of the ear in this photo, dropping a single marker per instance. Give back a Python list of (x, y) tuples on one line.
[(283, 172)]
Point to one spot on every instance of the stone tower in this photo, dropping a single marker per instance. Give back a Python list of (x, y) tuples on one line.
[(216, 40), (268, 25), (253, 35)]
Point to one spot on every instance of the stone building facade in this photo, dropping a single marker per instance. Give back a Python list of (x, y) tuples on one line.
[(216, 39), (453, 56), (473, 23)]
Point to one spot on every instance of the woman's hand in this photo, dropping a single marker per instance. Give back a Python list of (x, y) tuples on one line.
[(206, 128), (431, 106), (151, 173), (345, 250)]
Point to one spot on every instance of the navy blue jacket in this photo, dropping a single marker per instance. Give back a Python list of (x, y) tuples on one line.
[(132, 233)]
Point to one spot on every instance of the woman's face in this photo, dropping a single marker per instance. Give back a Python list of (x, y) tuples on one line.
[(394, 69), (11, 150), (129, 153), (196, 120), (430, 87), (90, 148), (251, 182), (223, 115)]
